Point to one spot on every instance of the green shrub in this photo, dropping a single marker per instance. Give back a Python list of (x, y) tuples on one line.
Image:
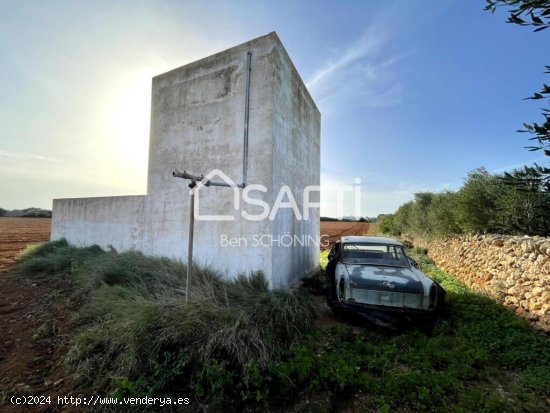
[(407, 244), (486, 203), (387, 225)]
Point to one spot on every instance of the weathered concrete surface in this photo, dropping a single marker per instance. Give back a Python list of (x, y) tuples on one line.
[(296, 163), (197, 125), (106, 221)]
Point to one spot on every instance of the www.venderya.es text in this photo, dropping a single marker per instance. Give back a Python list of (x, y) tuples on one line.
[(98, 400)]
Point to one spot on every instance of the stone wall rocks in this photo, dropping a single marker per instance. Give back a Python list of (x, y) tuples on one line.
[(515, 270)]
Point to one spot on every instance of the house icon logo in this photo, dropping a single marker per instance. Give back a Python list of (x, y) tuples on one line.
[(222, 180)]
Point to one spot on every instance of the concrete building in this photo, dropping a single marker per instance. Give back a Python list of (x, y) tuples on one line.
[(197, 114)]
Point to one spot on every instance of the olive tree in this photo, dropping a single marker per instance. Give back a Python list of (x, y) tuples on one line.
[(536, 14)]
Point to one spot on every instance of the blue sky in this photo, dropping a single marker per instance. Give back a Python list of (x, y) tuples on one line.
[(413, 95)]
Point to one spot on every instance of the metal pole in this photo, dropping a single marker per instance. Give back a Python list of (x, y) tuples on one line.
[(246, 117), (186, 175), (190, 242)]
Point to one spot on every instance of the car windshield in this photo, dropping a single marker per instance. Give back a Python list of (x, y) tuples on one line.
[(374, 254)]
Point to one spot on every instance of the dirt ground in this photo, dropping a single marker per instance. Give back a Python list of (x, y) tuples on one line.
[(34, 324), (333, 230), (17, 233)]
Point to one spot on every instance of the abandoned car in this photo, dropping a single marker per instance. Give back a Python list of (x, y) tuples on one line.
[(374, 277)]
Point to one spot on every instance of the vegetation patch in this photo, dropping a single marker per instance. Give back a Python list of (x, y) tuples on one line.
[(514, 203), (138, 336), (26, 213), (236, 345)]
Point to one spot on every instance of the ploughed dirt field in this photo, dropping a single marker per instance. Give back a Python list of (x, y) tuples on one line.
[(34, 326), (333, 230), (17, 233)]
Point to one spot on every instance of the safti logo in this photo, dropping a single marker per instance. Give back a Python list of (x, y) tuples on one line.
[(206, 182), (286, 199)]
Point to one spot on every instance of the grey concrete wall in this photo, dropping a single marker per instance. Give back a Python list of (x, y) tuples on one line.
[(296, 163), (106, 221), (197, 122), (197, 116)]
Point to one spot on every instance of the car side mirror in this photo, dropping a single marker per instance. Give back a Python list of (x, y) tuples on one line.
[(413, 262)]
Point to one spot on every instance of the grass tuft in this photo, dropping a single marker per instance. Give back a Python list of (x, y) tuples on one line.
[(136, 327)]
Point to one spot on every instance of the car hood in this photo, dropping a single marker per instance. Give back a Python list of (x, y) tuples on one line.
[(384, 278)]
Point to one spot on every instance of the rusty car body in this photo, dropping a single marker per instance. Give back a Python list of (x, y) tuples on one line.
[(374, 277)]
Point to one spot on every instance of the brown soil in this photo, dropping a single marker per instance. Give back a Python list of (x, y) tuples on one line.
[(17, 233), (333, 230), (35, 323)]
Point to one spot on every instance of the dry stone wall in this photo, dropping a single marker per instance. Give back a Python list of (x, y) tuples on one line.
[(515, 270)]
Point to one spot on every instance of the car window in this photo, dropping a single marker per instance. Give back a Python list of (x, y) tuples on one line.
[(374, 254)]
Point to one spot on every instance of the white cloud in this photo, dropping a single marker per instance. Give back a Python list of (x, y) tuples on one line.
[(22, 155), (361, 73), (366, 46)]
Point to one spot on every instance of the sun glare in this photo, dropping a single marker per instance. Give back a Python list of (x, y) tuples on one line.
[(127, 128), (130, 122)]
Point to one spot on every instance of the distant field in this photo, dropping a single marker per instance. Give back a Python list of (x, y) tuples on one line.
[(333, 230), (17, 233)]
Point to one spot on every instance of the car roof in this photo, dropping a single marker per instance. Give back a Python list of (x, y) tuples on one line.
[(369, 240)]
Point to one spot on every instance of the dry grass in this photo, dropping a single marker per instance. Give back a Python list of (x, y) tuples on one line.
[(134, 315)]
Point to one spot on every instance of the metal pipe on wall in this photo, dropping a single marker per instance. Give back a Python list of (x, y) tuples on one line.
[(246, 116)]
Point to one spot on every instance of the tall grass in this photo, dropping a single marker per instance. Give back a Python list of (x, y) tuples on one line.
[(137, 335)]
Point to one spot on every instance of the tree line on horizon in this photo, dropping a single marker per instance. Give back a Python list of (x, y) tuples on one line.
[(349, 219), (513, 203), (26, 213)]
